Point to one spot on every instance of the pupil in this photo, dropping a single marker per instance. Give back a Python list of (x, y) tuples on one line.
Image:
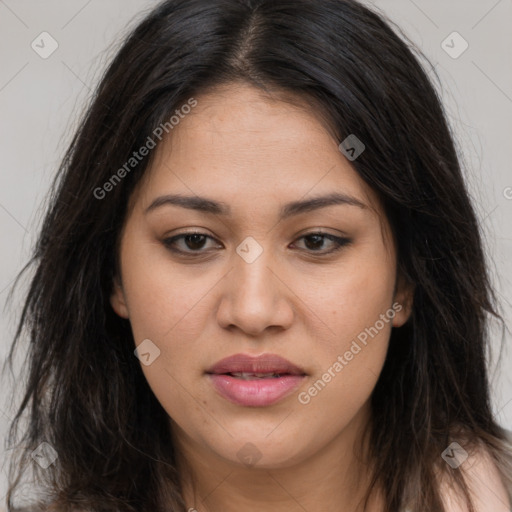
[(195, 241), (319, 240)]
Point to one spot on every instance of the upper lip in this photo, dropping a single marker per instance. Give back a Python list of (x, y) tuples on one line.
[(264, 363)]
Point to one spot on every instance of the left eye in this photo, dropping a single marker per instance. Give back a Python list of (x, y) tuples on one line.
[(194, 242), (317, 239)]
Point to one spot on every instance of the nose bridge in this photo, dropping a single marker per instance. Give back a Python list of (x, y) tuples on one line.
[(253, 278), (253, 299)]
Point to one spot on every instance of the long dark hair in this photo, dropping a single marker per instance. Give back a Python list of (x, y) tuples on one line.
[(86, 395)]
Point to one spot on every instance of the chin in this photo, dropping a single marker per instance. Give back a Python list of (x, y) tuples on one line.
[(261, 452)]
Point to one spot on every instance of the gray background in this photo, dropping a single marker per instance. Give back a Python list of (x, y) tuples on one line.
[(40, 100)]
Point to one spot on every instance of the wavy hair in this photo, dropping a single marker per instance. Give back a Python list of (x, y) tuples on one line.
[(85, 393)]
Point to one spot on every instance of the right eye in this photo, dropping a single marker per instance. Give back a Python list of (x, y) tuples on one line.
[(193, 243)]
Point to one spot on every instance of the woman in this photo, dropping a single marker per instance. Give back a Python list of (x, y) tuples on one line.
[(260, 284)]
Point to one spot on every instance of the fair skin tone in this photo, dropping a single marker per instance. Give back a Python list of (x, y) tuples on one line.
[(254, 155)]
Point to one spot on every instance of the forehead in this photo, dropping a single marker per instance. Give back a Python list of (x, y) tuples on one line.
[(238, 142)]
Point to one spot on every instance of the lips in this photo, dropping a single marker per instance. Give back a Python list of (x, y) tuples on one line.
[(263, 366), (255, 381)]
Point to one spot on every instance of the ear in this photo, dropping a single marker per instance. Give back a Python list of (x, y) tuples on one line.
[(118, 300), (403, 300)]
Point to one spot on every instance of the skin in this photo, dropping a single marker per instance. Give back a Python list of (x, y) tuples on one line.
[(255, 154)]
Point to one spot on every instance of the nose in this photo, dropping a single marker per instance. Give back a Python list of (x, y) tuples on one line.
[(255, 296)]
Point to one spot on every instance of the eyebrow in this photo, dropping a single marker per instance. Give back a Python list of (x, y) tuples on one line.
[(206, 205)]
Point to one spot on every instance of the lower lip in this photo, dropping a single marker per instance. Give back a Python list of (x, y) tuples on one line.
[(256, 392)]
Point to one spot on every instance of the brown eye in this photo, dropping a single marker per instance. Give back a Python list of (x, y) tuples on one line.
[(315, 242), (192, 243)]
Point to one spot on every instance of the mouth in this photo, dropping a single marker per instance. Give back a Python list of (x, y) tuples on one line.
[(255, 376), (255, 381), (247, 367)]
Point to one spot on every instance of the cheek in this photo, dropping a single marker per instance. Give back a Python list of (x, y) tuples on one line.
[(349, 359), (352, 299), (165, 298), (169, 305), (347, 369)]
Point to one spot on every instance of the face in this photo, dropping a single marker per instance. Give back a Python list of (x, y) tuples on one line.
[(252, 275)]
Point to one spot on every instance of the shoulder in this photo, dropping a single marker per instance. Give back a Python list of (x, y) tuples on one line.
[(486, 486)]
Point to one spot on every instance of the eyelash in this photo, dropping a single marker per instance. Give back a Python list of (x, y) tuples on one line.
[(339, 241)]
